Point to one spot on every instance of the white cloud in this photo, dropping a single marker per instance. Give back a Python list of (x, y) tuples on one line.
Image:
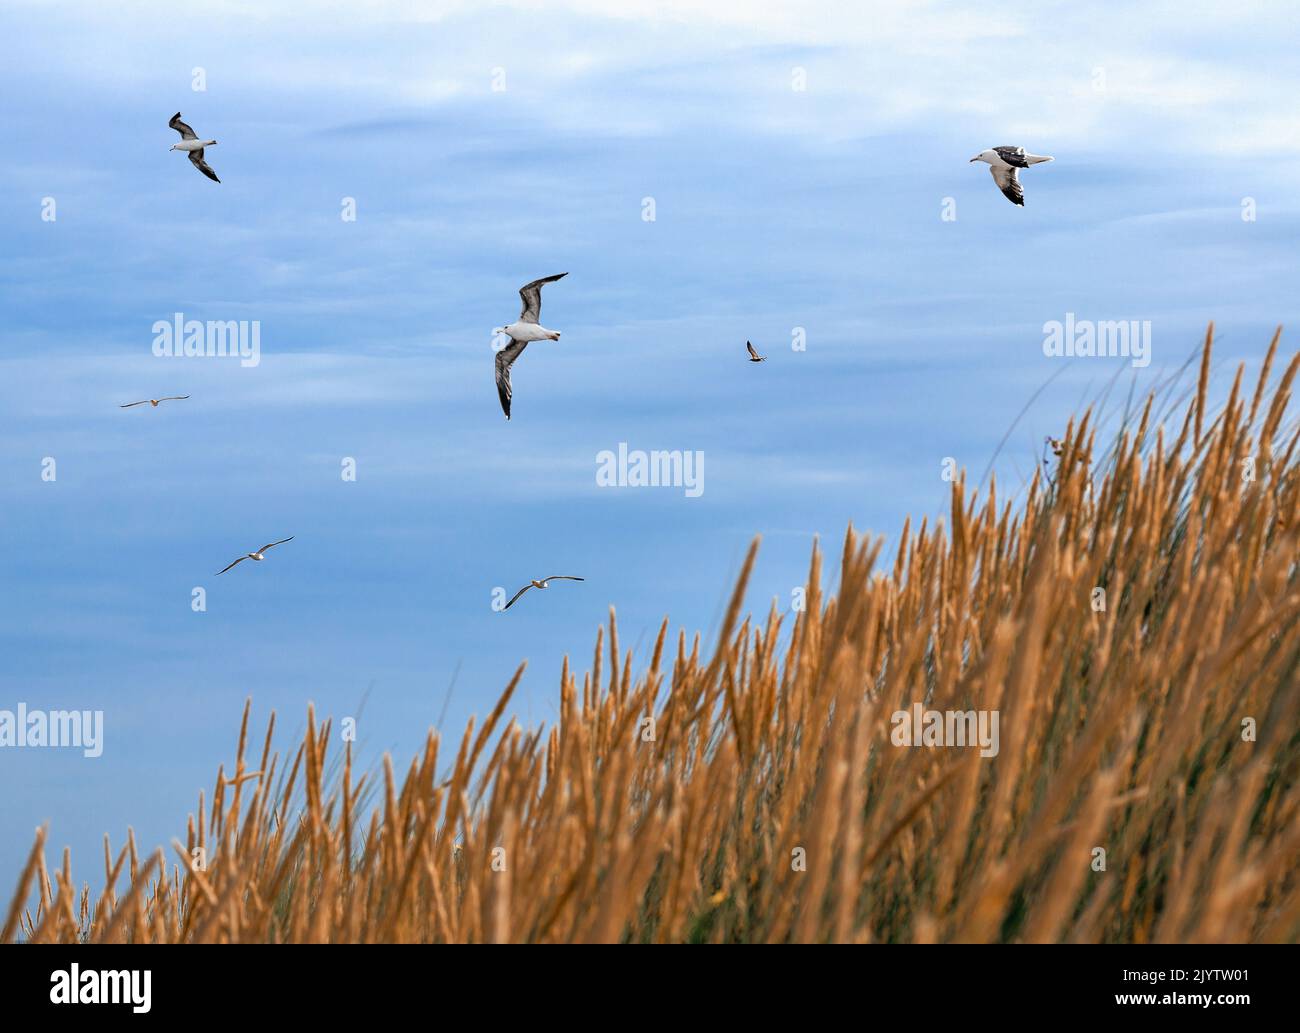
[(1187, 78)]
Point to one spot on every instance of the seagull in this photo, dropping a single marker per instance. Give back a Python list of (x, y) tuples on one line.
[(534, 584), (193, 145), (259, 555), (753, 355), (525, 329), (154, 401), (1003, 163)]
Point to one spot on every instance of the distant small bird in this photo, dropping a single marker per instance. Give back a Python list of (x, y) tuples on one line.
[(1004, 162), (191, 144), (259, 555), (753, 355), (536, 584), (520, 332), (154, 401)]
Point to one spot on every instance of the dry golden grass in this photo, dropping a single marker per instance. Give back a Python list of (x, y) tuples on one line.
[(1120, 729)]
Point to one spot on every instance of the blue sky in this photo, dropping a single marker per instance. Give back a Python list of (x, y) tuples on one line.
[(775, 208)]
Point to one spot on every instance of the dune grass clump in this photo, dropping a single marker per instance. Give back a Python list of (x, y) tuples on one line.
[(1132, 621)]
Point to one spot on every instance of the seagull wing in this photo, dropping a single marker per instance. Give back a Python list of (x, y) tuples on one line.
[(173, 398), (752, 353), (224, 569), (186, 132), (280, 542), (1012, 156), (515, 596), (532, 295), (143, 401), (561, 577), (505, 359), (196, 158), (1008, 181)]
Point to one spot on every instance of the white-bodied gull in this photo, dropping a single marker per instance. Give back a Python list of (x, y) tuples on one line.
[(1005, 163), (524, 329), (540, 584), (192, 145), (259, 555), (154, 401)]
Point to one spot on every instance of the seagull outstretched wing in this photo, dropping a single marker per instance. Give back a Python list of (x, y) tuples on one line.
[(280, 542), (753, 354), (224, 569), (516, 596), (143, 401), (505, 359), (186, 132), (196, 158), (561, 577), (532, 296), (1008, 181)]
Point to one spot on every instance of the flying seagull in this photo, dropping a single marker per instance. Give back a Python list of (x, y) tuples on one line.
[(753, 355), (536, 584), (193, 145), (154, 401), (259, 555), (1004, 163), (525, 329)]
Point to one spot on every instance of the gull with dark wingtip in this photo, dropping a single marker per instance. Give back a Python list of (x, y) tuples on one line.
[(753, 355), (1005, 163), (193, 146), (524, 329), (544, 583), (154, 401), (259, 555)]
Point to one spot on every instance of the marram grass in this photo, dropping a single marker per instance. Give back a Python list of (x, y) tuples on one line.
[(766, 803)]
